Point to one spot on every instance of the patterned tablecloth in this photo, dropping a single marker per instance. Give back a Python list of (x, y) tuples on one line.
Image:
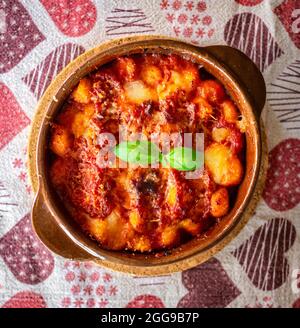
[(260, 267)]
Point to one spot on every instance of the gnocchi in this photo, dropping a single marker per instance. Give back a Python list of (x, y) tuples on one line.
[(219, 202), (82, 93), (146, 209), (225, 167), (61, 140)]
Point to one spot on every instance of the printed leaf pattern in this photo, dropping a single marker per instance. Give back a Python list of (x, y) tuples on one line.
[(249, 3), (18, 34), (72, 17), (289, 14), (248, 33), (5, 203), (127, 21), (262, 256), (146, 301), (282, 189), (208, 285), (29, 261), (12, 118), (26, 300), (40, 77), (284, 96)]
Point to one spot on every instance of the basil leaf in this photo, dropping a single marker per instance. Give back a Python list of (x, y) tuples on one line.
[(185, 159), (141, 152)]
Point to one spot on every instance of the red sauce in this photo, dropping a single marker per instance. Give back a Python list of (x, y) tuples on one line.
[(145, 209)]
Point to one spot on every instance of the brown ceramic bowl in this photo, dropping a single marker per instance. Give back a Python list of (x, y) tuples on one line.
[(62, 235)]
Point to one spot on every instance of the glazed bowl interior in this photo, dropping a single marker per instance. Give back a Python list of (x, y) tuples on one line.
[(235, 89)]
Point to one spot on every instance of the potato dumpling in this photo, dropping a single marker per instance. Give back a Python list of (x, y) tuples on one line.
[(136, 220), (171, 195), (226, 168), (212, 91), (219, 202), (137, 92), (81, 120), (169, 236), (191, 75), (191, 227), (97, 228), (220, 134), (82, 93), (151, 75), (61, 140), (113, 232), (58, 171), (229, 111), (203, 108), (183, 80), (141, 244), (126, 68)]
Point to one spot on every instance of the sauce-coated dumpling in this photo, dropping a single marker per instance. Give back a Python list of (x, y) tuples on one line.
[(146, 209)]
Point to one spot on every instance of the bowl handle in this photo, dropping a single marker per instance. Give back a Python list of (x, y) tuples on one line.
[(246, 71), (50, 234)]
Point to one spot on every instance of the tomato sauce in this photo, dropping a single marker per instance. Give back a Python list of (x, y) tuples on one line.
[(146, 209)]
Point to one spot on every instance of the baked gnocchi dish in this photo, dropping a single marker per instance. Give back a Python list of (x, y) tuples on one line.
[(146, 209)]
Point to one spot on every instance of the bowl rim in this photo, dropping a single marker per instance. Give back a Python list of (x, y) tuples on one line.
[(41, 118)]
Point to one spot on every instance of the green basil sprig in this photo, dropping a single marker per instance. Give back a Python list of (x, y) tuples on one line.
[(144, 152), (141, 152), (185, 159)]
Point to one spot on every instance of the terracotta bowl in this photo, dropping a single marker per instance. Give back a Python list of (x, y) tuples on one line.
[(59, 232)]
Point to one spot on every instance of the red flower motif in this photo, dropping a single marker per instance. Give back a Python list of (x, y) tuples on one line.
[(75, 289), (177, 4), (76, 264), (189, 5), (188, 32), (17, 163), (182, 18), (88, 290), (95, 276), (28, 189), (164, 4), (70, 276), (78, 302), (23, 176), (200, 32), (195, 19), (107, 277), (206, 20), (176, 30), (100, 290), (82, 276), (66, 301), (201, 6), (67, 264), (112, 290), (170, 18), (88, 265), (90, 303), (211, 32), (103, 303)]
